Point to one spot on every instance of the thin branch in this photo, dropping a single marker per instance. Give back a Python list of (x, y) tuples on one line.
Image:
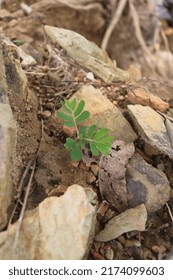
[(115, 19)]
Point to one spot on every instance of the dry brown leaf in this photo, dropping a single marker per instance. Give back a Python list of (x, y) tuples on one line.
[(112, 183), (142, 97)]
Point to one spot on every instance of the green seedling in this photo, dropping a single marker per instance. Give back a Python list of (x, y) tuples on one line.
[(99, 141)]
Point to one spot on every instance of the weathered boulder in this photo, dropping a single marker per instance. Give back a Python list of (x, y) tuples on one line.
[(60, 228)]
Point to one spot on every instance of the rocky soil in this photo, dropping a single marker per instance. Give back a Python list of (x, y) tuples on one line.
[(112, 207)]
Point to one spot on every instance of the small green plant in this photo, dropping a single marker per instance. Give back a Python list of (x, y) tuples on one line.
[(98, 139)]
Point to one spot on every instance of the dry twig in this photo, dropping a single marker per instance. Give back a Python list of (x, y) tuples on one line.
[(139, 36), (169, 210), (19, 222), (115, 19)]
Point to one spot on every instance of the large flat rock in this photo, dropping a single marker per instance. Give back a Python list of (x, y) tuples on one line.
[(151, 127), (60, 228)]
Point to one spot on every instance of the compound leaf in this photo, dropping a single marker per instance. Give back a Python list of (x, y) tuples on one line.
[(79, 108), (100, 133), (91, 131), (85, 115), (71, 104), (69, 124), (65, 108), (104, 149), (93, 148), (107, 140), (82, 143), (64, 116), (82, 131), (76, 153), (70, 143)]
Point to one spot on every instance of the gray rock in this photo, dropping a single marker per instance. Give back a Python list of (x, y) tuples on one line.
[(150, 126), (104, 114), (146, 184), (7, 142), (60, 228), (132, 219)]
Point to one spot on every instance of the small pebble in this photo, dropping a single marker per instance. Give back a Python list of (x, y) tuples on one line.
[(90, 178), (49, 105), (120, 98), (46, 114), (97, 245), (155, 249), (95, 169), (132, 242), (109, 254), (122, 239), (102, 251), (115, 102), (104, 206), (148, 255), (161, 167)]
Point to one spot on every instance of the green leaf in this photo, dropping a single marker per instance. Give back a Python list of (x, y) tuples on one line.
[(79, 108), (76, 153), (85, 115), (65, 108), (106, 141), (82, 143), (71, 104), (94, 150), (69, 124), (101, 133), (70, 143), (18, 42), (63, 116), (91, 131), (82, 131), (104, 149)]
